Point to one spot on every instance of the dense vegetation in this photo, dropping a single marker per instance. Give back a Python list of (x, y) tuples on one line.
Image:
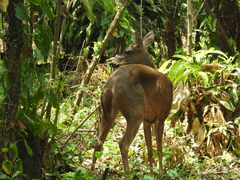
[(54, 64)]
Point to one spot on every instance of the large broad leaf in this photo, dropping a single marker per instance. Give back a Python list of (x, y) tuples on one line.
[(227, 105), (43, 39), (52, 99), (88, 6), (164, 66), (37, 127), (108, 5), (29, 150), (218, 52), (176, 71), (14, 148), (21, 12), (7, 166), (48, 11)]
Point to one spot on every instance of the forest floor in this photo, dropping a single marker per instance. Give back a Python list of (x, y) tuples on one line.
[(183, 159)]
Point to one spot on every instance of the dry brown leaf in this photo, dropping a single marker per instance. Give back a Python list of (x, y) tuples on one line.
[(173, 120), (213, 96), (225, 140), (209, 113), (211, 67), (196, 126), (115, 32), (219, 116), (201, 134), (21, 124), (180, 97), (192, 107), (184, 105), (199, 98), (217, 145), (225, 97), (210, 147)]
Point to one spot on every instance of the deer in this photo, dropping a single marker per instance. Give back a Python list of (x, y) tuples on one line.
[(141, 94)]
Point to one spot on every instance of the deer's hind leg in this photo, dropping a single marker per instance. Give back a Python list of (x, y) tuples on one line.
[(125, 142), (148, 139), (134, 118), (106, 122), (159, 127)]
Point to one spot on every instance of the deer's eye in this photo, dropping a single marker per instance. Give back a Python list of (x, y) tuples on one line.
[(128, 51)]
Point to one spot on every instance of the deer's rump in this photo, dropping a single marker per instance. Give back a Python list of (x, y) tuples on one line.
[(138, 89)]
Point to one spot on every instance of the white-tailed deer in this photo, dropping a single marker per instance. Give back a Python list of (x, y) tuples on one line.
[(141, 94)]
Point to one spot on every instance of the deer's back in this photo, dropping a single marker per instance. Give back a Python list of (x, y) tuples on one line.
[(135, 85)]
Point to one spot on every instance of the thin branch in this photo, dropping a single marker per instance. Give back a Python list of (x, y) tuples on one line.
[(102, 48), (80, 125), (141, 17), (200, 9), (55, 53)]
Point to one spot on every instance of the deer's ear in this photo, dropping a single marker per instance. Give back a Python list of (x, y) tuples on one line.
[(148, 39), (139, 41)]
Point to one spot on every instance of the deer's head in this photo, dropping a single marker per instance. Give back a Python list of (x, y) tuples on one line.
[(136, 53)]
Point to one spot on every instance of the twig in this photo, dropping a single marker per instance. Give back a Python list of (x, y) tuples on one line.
[(80, 125), (87, 133), (200, 9)]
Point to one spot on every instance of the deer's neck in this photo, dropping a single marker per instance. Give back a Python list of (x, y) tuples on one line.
[(146, 60)]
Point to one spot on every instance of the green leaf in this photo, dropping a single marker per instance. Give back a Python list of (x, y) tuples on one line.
[(2, 96), (7, 166), (29, 150), (37, 2), (182, 57), (204, 77), (186, 73), (52, 99), (21, 12), (173, 174), (88, 6), (48, 11), (176, 71), (148, 178), (98, 154), (2, 68), (164, 66), (14, 148), (4, 149), (68, 175), (18, 175), (180, 75), (217, 52), (19, 165), (108, 5), (3, 176), (227, 105)]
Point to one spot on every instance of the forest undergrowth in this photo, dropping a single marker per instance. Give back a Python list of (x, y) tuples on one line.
[(201, 139)]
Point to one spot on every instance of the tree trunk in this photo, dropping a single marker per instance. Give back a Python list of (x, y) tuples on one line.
[(227, 14), (14, 44), (169, 34), (9, 132), (189, 27)]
